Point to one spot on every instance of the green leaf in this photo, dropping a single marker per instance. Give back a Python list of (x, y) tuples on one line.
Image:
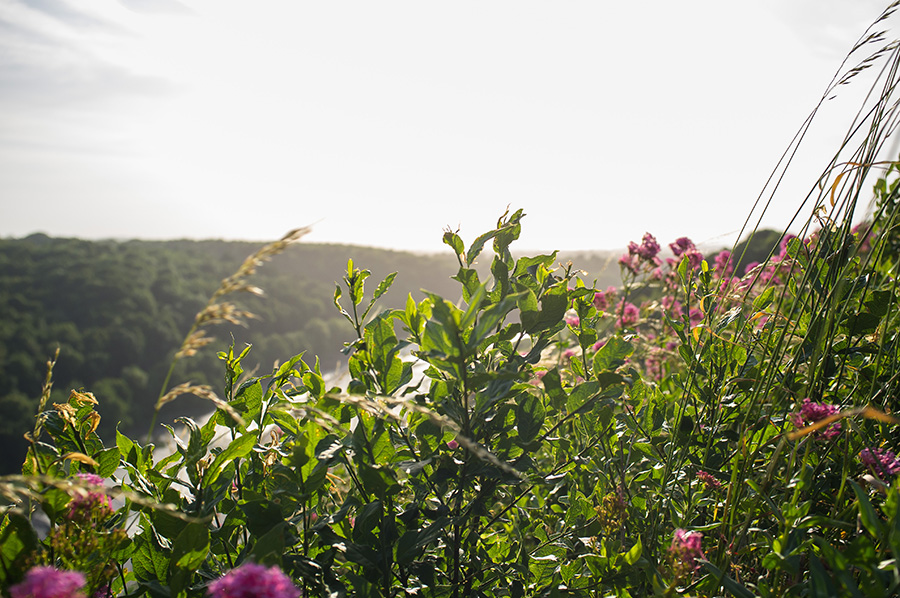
[(866, 511), (553, 387), (384, 285), (612, 354), (728, 583), (269, 549), (108, 461), (17, 540), (581, 395), (530, 416), (634, 553), (241, 446), (468, 318), (190, 548), (149, 561), (287, 369), (248, 401), (455, 242), (765, 299), (412, 542)]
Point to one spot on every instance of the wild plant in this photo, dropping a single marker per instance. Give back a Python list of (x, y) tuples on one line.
[(700, 430)]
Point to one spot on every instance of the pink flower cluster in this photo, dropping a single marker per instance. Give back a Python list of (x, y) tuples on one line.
[(883, 461), (639, 255), (253, 581), (709, 480), (685, 548), (93, 502), (604, 299), (811, 412), (685, 247), (629, 315), (48, 582)]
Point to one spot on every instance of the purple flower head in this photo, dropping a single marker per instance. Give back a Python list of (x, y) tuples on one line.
[(629, 262), (723, 263), (709, 480), (452, 444), (92, 502), (883, 461), (48, 582), (630, 314), (647, 250), (573, 321), (681, 245), (253, 581), (600, 301), (782, 246), (811, 412), (695, 258), (686, 548), (695, 315)]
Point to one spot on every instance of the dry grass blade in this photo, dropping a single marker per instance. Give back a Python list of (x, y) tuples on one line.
[(17, 488), (868, 412), (45, 398), (216, 312), (204, 392)]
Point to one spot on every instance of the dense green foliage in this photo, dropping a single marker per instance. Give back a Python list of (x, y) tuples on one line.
[(119, 310)]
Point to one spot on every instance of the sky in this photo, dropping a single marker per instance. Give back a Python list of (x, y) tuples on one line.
[(383, 123)]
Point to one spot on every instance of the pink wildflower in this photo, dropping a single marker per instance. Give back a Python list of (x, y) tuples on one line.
[(671, 305), (695, 316), (93, 502), (681, 245), (253, 581), (723, 263), (48, 582), (647, 250), (883, 461), (600, 301), (709, 480), (685, 548), (653, 368), (452, 445), (750, 267), (629, 315), (694, 258), (573, 321), (811, 412), (782, 246), (629, 262)]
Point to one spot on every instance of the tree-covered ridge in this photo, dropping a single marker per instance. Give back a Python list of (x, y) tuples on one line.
[(119, 310)]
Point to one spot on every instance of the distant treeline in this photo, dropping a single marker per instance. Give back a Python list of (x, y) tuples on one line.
[(119, 310)]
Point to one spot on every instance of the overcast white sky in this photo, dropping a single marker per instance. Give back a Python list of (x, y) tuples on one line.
[(383, 122)]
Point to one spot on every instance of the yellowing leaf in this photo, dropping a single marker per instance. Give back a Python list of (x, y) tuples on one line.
[(81, 458)]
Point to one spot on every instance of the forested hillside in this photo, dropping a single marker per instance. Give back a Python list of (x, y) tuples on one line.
[(119, 310)]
